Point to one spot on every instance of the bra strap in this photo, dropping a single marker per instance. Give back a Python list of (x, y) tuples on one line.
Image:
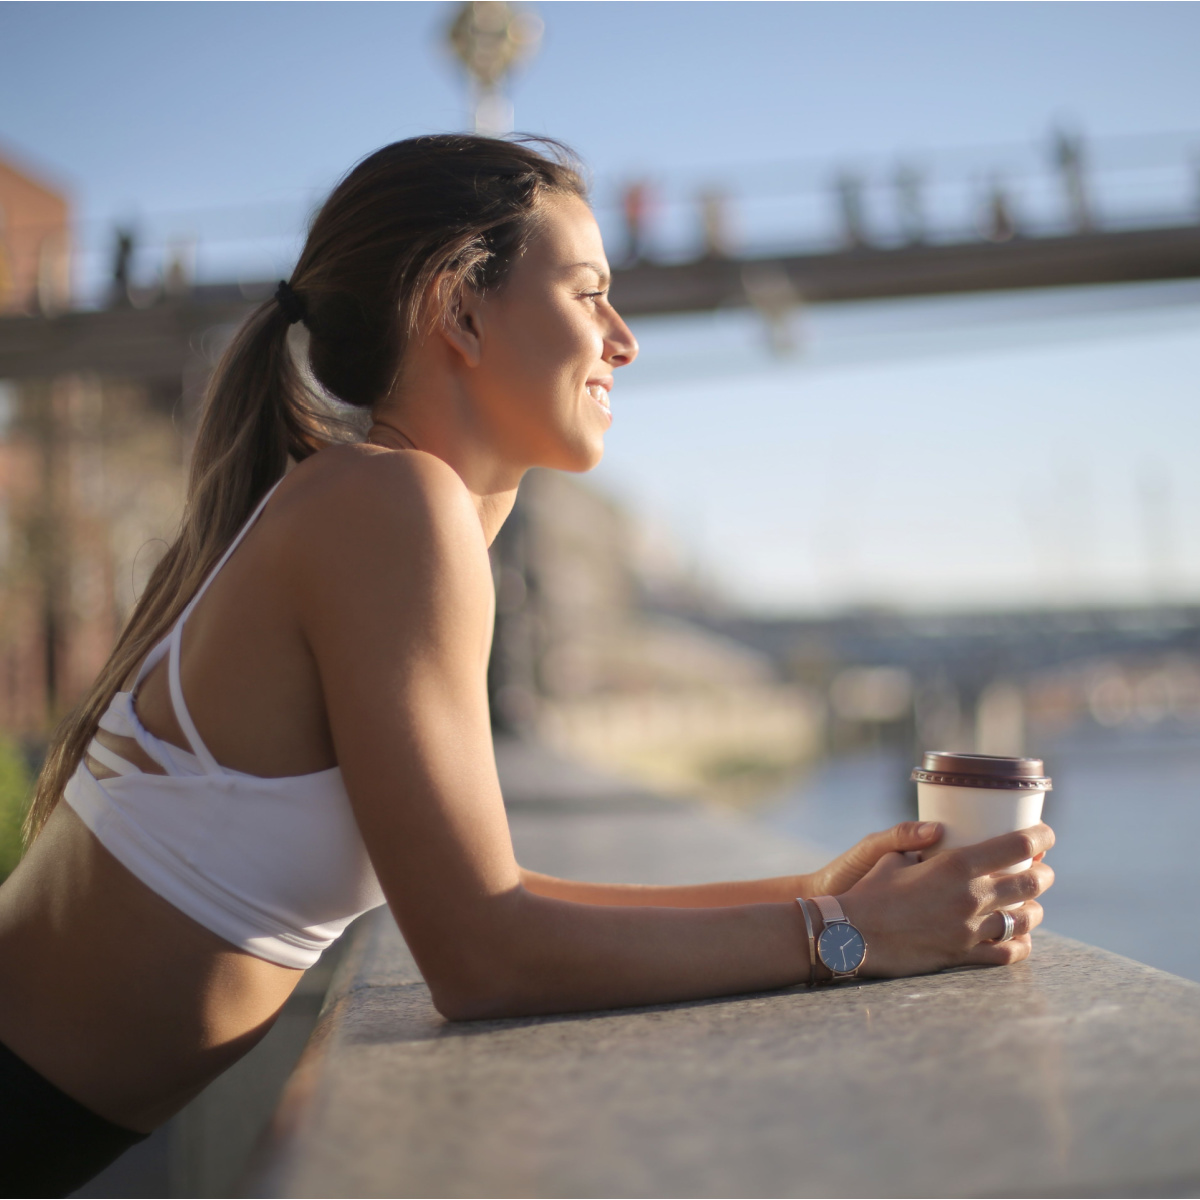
[(113, 761), (195, 741), (150, 662)]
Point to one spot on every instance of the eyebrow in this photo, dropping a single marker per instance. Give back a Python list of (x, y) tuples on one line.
[(605, 278)]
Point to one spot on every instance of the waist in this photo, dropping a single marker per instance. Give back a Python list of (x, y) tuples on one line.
[(96, 970)]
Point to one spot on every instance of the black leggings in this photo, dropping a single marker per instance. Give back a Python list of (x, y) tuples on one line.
[(50, 1145)]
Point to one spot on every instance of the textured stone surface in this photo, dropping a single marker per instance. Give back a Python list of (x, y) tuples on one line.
[(1077, 1073)]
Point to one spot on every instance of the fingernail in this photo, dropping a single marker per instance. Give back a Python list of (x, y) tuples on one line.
[(927, 829)]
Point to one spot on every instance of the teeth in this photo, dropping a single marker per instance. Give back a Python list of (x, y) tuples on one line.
[(599, 394)]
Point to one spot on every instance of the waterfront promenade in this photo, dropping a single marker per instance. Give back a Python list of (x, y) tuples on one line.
[(1077, 1073)]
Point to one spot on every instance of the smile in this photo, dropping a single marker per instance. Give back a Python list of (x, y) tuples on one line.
[(599, 393)]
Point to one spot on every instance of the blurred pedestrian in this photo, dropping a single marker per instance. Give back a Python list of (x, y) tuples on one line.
[(637, 205)]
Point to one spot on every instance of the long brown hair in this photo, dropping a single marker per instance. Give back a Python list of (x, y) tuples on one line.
[(397, 238)]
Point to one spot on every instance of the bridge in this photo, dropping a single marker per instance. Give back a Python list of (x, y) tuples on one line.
[(1001, 681), (1122, 211)]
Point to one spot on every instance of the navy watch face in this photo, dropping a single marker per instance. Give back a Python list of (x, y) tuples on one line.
[(841, 947)]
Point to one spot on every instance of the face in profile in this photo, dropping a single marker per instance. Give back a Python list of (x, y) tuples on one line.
[(549, 343)]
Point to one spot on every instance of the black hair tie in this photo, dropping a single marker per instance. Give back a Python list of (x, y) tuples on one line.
[(292, 305)]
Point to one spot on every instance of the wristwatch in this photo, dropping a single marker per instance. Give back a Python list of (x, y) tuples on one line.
[(840, 947)]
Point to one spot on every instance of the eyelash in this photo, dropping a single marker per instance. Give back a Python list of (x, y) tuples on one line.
[(594, 295)]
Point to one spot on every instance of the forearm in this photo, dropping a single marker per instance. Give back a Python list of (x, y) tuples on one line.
[(542, 955), (780, 890)]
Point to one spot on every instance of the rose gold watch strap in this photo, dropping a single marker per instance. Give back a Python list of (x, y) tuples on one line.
[(829, 909)]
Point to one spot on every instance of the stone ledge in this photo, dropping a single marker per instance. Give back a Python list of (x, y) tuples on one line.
[(1077, 1073)]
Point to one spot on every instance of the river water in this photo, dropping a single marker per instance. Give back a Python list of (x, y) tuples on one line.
[(1125, 809)]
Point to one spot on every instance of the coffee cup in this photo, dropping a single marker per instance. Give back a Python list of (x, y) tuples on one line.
[(979, 796)]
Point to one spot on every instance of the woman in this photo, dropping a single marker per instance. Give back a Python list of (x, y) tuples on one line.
[(294, 725)]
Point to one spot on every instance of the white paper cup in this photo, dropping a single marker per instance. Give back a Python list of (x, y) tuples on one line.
[(980, 796)]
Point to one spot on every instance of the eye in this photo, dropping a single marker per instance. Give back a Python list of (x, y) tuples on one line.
[(600, 295)]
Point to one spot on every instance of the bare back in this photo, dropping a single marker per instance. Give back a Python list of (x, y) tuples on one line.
[(94, 966)]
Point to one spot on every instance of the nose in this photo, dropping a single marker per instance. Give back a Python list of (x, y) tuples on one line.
[(620, 346)]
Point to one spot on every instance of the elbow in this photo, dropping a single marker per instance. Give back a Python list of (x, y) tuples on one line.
[(481, 978), (471, 1003), (472, 995)]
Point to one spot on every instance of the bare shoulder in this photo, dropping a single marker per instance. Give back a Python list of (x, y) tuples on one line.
[(363, 520), (385, 488)]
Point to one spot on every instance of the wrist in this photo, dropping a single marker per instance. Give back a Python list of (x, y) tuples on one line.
[(796, 885), (818, 971)]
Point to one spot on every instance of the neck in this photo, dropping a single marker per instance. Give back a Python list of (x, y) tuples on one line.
[(493, 491)]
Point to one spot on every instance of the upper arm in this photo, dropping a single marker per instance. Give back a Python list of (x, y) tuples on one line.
[(395, 595)]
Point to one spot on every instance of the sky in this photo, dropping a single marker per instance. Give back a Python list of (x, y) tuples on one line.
[(806, 482)]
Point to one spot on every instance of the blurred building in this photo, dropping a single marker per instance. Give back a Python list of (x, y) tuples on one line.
[(91, 485), (35, 243), (587, 659), (91, 473)]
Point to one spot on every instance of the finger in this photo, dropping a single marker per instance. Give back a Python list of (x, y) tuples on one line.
[(914, 835), (1000, 954), (908, 835), (1026, 885), (1025, 919), (1006, 850)]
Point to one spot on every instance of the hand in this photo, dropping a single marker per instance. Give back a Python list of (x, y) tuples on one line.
[(923, 916), (847, 869)]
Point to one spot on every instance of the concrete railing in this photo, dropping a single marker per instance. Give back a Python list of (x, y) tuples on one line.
[(1077, 1073)]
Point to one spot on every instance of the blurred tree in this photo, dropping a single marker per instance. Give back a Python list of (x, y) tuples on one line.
[(15, 784)]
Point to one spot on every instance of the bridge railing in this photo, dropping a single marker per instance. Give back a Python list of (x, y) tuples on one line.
[(1064, 184)]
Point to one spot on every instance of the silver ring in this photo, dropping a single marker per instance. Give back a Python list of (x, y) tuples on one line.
[(1010, 926)]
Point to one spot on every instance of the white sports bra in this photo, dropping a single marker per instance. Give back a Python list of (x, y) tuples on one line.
[(275, 866)]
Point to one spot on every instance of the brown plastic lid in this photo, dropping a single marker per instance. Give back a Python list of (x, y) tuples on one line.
[(983, 771)]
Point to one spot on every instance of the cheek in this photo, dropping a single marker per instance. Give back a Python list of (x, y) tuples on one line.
[(549, 356)]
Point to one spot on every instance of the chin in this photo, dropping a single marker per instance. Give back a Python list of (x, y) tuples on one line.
[(585, 458), (576, 454)]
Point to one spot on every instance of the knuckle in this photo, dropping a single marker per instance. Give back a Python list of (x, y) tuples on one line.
[(1028, 843), (957, 865), (1028, 885)]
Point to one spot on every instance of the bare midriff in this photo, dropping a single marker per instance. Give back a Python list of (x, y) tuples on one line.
[(97, 970)]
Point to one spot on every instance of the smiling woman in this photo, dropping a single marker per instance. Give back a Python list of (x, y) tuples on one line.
[(294, 725)]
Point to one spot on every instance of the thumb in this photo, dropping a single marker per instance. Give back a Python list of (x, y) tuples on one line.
[(914, 835), (909, 835)]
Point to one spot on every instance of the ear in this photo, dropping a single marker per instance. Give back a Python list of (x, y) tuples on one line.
[(461, 327)]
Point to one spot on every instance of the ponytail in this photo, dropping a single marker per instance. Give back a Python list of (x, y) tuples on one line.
[(449, 209), (258, 413)]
